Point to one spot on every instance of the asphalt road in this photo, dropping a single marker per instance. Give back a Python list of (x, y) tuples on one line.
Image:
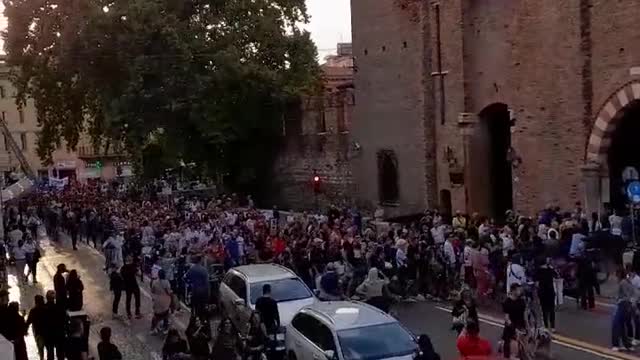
[(581, 334)]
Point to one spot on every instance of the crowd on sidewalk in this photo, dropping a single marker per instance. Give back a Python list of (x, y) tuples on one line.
[(336, 253)]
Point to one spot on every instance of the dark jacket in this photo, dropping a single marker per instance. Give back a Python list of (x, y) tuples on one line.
[(38, 319), (75, 289), (55, 317), (60, 286), (116, 283)]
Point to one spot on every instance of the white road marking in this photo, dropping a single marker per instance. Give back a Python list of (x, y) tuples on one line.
[(603, 304), (597, 350)]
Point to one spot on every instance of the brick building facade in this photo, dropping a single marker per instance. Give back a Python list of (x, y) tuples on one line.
[(317, 141), (488, 105)]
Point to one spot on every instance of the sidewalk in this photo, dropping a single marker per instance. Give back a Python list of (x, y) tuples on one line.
[(132, 337)]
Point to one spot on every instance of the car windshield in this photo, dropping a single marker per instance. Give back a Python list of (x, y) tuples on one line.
[(376, 342), (281, 290)]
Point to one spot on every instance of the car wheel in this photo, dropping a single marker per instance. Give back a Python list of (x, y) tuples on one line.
[(292, 356)]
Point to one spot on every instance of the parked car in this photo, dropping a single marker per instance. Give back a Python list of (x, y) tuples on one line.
[(242, 286), (347, 330)]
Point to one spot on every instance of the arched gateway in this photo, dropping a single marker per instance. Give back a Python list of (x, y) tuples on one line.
[(614, 144)]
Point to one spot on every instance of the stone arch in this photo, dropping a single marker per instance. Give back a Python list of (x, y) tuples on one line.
[(607, 121)]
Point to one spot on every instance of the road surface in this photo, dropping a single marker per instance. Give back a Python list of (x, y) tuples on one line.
[(581, 335)]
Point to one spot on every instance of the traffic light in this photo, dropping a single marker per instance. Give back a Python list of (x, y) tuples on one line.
[(316, 184), (99, 164)]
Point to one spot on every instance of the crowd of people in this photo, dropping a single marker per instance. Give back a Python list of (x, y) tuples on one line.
[(179, 244)]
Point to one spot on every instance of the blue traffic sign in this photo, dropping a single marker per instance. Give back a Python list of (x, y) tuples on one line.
[(633, 191)]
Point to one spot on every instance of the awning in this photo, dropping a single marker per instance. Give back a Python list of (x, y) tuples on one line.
[(23, 186)]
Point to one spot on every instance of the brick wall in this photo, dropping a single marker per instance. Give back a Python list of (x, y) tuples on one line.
[(318, 145), (553, 62), (390, 101)]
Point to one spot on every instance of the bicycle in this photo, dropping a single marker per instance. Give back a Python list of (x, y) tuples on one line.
[(534, 340)]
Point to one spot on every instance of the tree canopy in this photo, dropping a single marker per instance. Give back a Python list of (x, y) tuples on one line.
[(204, 81)]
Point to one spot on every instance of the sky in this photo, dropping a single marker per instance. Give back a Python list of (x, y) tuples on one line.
[(330, 23)]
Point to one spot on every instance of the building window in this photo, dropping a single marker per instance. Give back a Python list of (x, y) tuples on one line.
[(23, 141), (3, 93), (322, 122), (388, 177), (340, 109), (4, 116), (21, 115)]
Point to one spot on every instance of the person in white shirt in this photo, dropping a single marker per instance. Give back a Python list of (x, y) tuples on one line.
[(507, 241), (15, 235), (577, 245), (437, 232), (515, 274), (616, 224), (634, 279), (20, 257), (449, 253)]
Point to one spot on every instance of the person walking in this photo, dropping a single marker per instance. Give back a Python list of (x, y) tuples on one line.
[(60, 286), (77, 347), (20, 257), (38, 321), (198, 278), (75, 288), (129, 274), (106, 349), (464, 310), (471, 345), (373, 290), (55, 319), (116, 285), (587, 282), (622, 312), (32, 256), (228, 344), (161, 298), (17, 331), (546, 293)]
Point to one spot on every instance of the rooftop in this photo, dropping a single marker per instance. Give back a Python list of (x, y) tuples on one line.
[(350, 314), (264, 272)]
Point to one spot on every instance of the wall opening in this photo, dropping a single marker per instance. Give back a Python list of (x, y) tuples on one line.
[(388, 190), (445, 203), (495, 142), (623, 154)]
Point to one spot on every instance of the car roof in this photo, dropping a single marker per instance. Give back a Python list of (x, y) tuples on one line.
[(349, 314), (264, 272)]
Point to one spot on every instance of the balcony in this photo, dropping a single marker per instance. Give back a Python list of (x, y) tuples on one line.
[(90, 152)]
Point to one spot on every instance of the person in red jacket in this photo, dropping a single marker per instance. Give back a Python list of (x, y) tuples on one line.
[(471, 345)]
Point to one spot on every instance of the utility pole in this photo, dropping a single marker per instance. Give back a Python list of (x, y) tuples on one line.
[(2, 208)]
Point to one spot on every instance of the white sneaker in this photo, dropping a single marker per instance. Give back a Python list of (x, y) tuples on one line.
[(615, 348)]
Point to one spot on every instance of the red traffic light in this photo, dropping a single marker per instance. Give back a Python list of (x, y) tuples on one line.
[(316, 178)]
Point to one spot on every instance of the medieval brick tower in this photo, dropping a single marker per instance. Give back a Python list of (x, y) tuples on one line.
[(488, 105)]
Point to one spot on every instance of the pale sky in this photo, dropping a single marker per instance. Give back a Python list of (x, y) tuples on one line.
[(330, 24)]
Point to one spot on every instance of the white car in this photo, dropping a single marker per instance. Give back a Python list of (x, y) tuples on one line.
[(242, 286), (347, 330)]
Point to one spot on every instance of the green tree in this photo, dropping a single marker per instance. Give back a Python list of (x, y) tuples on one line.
[(203, 81)]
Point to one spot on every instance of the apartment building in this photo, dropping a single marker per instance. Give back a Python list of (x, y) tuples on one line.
[(23, 125)]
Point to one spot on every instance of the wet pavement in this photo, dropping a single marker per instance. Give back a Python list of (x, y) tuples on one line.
[(131, 336), (581, 334)]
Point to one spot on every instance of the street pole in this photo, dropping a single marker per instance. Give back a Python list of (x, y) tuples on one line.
[(1, 208)]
